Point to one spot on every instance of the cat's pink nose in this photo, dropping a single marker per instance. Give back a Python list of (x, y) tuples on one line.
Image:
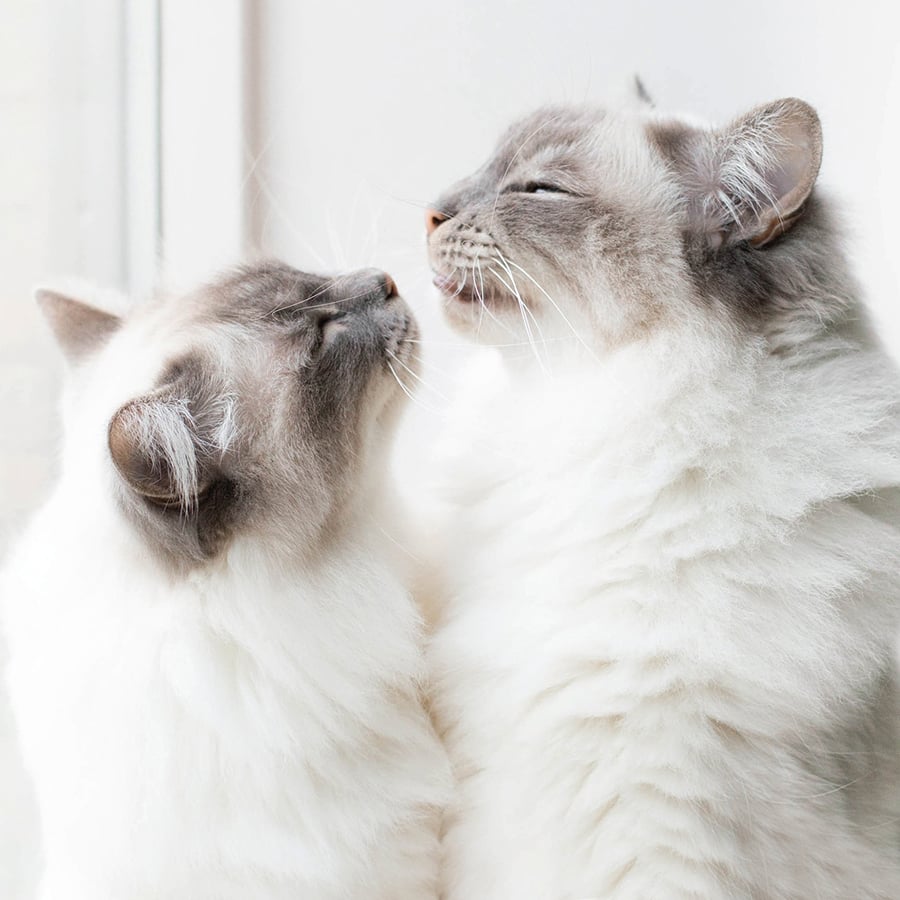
[(433, 218)]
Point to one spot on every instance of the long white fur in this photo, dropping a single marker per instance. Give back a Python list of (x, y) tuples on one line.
[(670, 590), (252, 729)]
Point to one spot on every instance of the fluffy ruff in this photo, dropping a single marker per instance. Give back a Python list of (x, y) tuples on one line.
[(664, 660), (251, 730)]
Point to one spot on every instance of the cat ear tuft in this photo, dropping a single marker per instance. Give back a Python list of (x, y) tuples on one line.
[(79, 328), (630, 94), (641, 93), (153, 443), (765, 165)]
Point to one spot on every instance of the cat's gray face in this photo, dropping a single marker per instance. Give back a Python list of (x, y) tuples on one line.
[(272, 388), (609, 223)]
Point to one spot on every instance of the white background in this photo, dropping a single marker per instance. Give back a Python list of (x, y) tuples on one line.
[(320, 131)]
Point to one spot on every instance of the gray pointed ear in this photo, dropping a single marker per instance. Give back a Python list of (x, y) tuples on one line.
[(79, 328), (761, 171), (770, 161), (749, 181)]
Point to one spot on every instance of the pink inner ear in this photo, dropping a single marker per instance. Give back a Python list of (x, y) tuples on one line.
[(780, 147), (793, 177)]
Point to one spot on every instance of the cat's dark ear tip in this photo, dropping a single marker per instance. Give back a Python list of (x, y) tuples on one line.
[(641, 91)]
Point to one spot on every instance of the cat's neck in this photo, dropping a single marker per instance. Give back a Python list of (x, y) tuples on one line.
[(693, 384), (670, 357), (99, 535)]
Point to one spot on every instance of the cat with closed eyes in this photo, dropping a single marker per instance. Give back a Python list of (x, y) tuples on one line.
[(669, 571), (215, 665)]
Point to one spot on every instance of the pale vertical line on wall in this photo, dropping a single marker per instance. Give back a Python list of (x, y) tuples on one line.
[(142, 145), (87, 150), (255, 208), (202, 167)]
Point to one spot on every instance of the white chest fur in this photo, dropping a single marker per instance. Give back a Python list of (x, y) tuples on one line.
[(663, 663), (248, 731)]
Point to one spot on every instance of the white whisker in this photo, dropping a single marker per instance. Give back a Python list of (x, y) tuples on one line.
[(524, 311), (553, 303), (408, 392), (419, 378)]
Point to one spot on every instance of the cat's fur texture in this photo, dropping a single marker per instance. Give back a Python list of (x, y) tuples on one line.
[(215, 665), (664, 653)]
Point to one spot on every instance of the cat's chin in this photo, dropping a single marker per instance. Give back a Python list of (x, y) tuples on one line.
[(453, 290), (460, 305), (477, 311)]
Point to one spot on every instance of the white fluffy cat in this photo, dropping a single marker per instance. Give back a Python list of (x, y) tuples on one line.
[(670, 574), (215, 666)]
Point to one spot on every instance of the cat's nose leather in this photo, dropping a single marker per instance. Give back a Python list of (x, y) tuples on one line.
[(433, 218), (375, 286)]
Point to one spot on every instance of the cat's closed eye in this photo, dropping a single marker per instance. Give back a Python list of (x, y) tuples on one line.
[(316, 333), (536, 187), (329, 328)]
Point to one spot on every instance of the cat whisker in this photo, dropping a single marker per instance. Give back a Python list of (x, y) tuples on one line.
[(303, 304), (275, 208), (433, 343), (479, 295), (408, 392), (510, 286), (485, 310), (254, 160), (315, 295), (427, 365), (553, 303), (462, 284), (524, 311), (419, 204), (418, 377)]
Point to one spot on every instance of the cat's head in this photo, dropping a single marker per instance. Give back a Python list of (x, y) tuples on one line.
[(251, 406), (596, 226)]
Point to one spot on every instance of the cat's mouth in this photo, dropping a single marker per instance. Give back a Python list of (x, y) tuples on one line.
[(471, 290), (455, 288)]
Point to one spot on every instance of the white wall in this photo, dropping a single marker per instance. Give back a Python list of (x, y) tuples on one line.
[(366, 111)]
